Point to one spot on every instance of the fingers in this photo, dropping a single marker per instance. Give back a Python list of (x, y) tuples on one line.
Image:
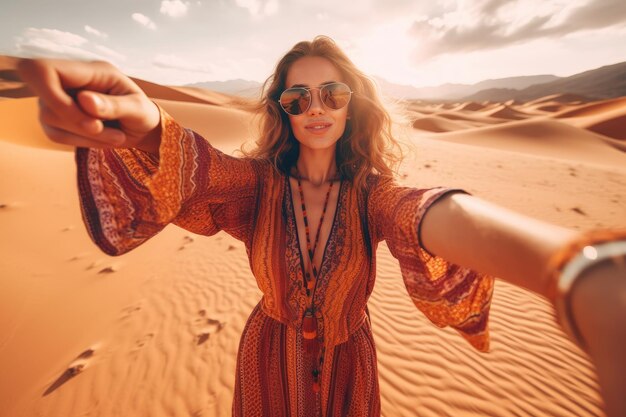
[(60, 130), (43, 78), (99, 141), (96, 75), (78, 97)]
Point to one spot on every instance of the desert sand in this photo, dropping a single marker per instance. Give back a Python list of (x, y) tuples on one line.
[(155, 332)]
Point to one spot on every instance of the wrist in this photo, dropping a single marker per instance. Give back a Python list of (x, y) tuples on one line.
[(151, 142), (570, 268)]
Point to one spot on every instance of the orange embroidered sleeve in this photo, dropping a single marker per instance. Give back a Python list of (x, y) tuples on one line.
[(127, 195), (448, 294)]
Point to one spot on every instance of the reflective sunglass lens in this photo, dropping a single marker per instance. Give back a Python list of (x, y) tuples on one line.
[(335, 96), (295, 101)]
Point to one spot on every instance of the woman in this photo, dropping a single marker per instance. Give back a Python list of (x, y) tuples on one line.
[(311, 203)]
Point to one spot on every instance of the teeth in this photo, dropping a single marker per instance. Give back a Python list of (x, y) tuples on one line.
[(318, 127)]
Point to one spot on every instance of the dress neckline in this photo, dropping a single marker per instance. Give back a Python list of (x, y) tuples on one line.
[(330, 234)]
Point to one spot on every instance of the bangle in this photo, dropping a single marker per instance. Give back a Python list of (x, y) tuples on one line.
[(567, 265)]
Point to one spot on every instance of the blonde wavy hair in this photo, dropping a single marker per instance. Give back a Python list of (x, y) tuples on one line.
[(367, 144)]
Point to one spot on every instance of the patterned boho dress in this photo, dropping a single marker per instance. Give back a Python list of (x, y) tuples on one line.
[(127, 196)]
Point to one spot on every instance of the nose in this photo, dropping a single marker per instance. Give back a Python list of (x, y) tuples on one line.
[(316, 102)]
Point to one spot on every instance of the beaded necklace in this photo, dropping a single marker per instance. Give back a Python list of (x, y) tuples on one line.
[(309, 321)]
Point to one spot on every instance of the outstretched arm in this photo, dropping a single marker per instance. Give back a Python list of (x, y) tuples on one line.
[(488, 238), (475, 233)]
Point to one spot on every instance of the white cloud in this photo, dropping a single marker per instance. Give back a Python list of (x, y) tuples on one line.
[(96, 32), (174, 8), (52, 43), (259, 8), (144, 20), (493, 24), (55, 36)]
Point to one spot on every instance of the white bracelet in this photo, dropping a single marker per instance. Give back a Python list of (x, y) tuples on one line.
[(570, 274)]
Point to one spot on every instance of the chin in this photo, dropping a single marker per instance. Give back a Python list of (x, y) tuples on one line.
[(318, 142)]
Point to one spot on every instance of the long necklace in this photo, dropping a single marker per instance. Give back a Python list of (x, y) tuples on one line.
[(309, 321)]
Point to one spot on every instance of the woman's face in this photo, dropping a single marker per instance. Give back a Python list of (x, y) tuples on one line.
[(319, 127)]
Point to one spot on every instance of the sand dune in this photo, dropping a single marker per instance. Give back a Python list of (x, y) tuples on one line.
[(559, 98), (469, 106), (606, 117), (543, 138), (611, 125), (550, 107), (18, 118), (595, 108), (438, 124), (155, 332), (505, 111), (470, 117)]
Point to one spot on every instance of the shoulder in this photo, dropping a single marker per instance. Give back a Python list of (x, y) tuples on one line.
[(376, 182)]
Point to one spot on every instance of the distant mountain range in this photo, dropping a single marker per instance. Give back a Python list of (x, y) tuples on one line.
[(457, 91), (601, 83)]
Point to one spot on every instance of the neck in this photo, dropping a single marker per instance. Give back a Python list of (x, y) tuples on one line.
[(317, 165)]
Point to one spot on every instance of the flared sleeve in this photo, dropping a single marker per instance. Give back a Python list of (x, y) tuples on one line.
[(128, 195), (448, 294)]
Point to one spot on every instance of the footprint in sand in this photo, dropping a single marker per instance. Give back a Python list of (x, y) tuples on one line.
[(208, 326), (141, 342), (129, 311), (94, 264), (77, 366), (78, 257), (187, 240), (80, 363), (108, 270)]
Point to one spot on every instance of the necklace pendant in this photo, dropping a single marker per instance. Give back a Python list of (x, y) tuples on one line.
[(310, 341), (309, 325)]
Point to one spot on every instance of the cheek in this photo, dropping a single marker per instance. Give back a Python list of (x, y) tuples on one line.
[(295, 125), (341, 122)]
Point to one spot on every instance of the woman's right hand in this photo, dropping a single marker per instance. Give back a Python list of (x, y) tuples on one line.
[(92, 105)]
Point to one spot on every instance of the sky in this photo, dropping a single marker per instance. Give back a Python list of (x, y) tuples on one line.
[(414, 42)]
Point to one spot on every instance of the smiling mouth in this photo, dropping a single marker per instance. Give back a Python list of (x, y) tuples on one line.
[(318, 127)]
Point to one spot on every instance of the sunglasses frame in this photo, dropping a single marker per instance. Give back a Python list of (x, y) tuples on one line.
[(308, 90)]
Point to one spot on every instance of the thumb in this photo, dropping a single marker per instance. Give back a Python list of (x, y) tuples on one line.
[(136, 114), (110, 107)]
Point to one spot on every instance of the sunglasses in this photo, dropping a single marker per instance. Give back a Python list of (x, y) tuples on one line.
[(297, 100)]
